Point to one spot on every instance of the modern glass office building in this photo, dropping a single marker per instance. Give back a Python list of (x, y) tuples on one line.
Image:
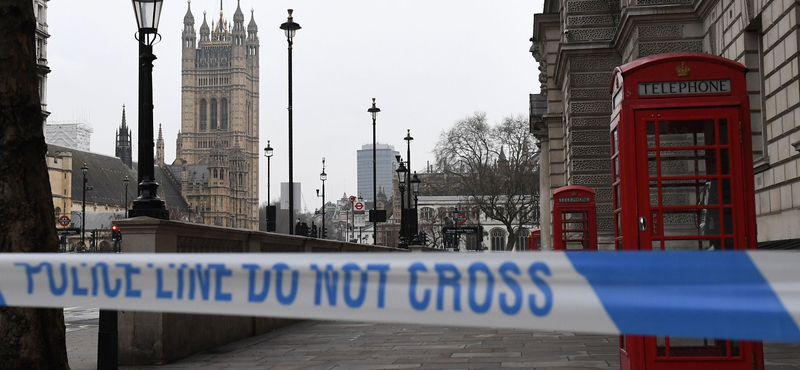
[(384, 167)]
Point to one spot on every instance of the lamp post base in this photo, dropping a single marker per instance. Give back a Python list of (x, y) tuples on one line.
[(150, 208)]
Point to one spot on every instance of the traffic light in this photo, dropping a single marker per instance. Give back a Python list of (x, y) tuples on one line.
[(116, 234)]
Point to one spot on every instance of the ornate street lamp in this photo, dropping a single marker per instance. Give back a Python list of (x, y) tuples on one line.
[(374, 112), (147, 203), (290, 28), (415, 181), (84, 169), (268, 154), (401, 181), (323, 176), (126, 181), (457, 238)]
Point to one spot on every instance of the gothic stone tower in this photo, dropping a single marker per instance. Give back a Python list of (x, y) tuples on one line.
[(219, 130), (124, 147)]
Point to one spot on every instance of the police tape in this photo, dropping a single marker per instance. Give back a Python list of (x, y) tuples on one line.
[(736, 295)]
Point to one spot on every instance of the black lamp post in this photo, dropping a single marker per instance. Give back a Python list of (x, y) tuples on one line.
[(290, 28), (401, 180), (84, 169), (456, 220), (323, 176), (360, 199), (374, 112), (147, 203), (411, 224), (268, 153), (126, 181), (415, 181)]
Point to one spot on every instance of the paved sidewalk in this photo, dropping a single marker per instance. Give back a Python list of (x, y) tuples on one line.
[(350, 345)]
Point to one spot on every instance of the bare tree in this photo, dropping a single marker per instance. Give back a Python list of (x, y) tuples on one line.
[(30, 338), (496, 167)]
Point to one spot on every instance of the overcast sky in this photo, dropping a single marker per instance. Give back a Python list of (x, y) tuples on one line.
[(428, 63)]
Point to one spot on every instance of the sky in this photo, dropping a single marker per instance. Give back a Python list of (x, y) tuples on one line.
[(428, 63)]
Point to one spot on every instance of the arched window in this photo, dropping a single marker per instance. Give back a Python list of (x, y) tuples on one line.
[(213, 114), (223, 121), (524, 239), (498, 239), (58, 211), (215, 173), (203, 115)]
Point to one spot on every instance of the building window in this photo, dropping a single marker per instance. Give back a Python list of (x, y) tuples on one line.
[(223, 122), (523, 240), (213, 114), (497, 238), (428, 213), (203, 115)]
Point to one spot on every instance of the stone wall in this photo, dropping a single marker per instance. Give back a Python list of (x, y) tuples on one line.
[(155, 338)]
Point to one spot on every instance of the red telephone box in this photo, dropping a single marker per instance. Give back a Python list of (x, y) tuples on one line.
[(535, 243), (683, 180), (574, 218)]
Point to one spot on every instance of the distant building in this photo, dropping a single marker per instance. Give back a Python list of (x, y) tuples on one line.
[(106, 201), (124, 149), (73, 135), (385, 164), (217, 150)]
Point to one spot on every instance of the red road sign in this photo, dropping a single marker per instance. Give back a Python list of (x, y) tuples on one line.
[(352, 198), (63, 220), (359, 206), (461, 219)]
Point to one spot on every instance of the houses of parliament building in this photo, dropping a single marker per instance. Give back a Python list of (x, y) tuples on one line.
[(217, 148)]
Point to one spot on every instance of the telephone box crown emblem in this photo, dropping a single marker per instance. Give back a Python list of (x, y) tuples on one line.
[(683, 70)]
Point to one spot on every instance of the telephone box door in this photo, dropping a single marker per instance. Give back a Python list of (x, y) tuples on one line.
[(690, 200)]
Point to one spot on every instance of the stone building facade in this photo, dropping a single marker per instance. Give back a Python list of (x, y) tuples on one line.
[(578, 43), (40, 11), (217, 149)]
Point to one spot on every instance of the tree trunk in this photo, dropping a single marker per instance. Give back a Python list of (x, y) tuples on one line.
[(30, 338)]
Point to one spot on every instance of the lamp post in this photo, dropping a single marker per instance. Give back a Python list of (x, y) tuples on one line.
[(401, 185), (374, 112), (147, 203), (360, 199), (84, 169), (323, 176), (126, 181), (415, 181), (456, 220), (290, 28), (268, 153), (411, 224)]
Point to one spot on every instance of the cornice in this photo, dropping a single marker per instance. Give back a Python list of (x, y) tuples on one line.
[(631, 17)]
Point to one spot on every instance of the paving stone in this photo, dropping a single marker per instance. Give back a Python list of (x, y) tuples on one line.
[(341, 345)]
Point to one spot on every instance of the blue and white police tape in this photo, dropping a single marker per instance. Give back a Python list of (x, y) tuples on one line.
[(735, 295)]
